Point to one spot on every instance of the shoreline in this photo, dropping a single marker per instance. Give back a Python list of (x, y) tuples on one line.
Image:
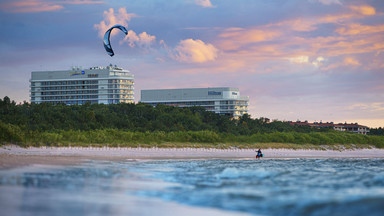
[(12, 156)]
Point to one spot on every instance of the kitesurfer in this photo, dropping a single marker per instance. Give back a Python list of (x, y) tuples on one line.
[(259, 154)]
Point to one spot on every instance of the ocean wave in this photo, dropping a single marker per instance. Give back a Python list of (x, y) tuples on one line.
[(231, 172), (379, 179), (266, 187)]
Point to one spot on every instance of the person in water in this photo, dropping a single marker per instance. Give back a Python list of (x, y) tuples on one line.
[(259, 154)]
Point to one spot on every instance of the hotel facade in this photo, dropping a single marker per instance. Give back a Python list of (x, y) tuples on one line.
[(223, 100), (103, 85)]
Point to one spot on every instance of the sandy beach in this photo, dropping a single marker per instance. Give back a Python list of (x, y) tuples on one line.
[(14, 156)]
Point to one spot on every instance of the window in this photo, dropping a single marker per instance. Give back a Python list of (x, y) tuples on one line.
[(214, 93)]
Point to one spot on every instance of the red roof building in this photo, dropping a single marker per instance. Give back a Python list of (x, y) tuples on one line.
[(355, 128)]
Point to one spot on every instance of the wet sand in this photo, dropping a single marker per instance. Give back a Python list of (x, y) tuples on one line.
[(15, 156)]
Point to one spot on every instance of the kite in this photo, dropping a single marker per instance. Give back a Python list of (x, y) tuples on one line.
[(107, 42)]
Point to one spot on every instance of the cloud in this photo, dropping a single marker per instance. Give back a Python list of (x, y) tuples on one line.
[(194, 51), (373, 106), (300, 41), (35, 6), (236, 38), (346, 62), (189, 50), (110, 19), (30, 6), (303, 25), (319, 61), (365, 10), (309, 23), (142, 40), (79, 2), (249, 35), (326, 2), (329, 2), (204, 3), (299, 59), (351, 61), (356, 28), (336, 46)]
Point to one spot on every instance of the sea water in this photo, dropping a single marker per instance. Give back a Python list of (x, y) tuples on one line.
[(144, 187)]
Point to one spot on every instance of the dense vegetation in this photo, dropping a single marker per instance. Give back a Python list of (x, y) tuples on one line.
[(132, 124), (133, 117), (377, 131)]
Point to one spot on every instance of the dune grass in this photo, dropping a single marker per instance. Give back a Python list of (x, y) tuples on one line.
[(187, 139)]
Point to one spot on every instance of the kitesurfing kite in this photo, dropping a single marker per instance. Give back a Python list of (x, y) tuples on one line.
[(107, 42)]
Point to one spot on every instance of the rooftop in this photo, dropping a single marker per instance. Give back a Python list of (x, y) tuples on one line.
[(327, 124)]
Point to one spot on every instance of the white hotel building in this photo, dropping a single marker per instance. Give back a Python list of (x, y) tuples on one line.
[(103, 85), (222, 100)]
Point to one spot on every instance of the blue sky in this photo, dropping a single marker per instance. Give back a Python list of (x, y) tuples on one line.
[(296, 60)]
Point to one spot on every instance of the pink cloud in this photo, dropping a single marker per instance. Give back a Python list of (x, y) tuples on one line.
[(299, 24), (249, 35), (282, 41), (356, 28), (311, 23), (348, 61), (373, 106), (35, 6), (30, 6), (351, 61), (111, 19), (79, 2), (329, 2), (194, 51), (233, 39), (143, 39), (365, 10), (204, 3)]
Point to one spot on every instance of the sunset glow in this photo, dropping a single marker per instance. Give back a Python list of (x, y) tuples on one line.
[(315, 60)]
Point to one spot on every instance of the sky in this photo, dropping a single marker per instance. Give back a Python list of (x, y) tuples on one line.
[(315, 60)]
